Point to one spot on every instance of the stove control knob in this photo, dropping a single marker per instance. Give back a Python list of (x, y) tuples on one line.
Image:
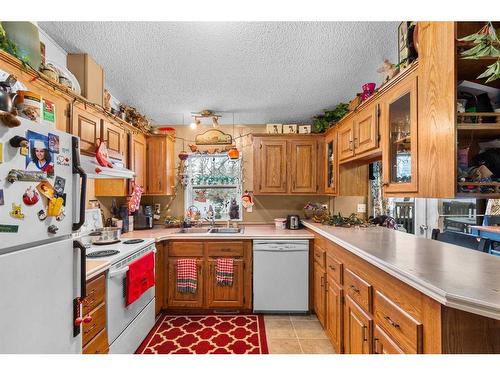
[(87, 319)]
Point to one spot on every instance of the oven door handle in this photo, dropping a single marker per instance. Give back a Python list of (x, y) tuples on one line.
[(121, 271)]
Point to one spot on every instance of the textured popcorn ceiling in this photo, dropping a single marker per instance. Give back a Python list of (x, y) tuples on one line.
[(262, 72)]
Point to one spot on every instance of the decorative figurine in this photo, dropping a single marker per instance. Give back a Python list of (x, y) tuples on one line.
[(388, 71), (234, 210), (42, 215), (52, 229), (30, 196), (16, 211)]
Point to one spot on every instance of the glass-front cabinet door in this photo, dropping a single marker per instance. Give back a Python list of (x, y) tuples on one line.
[(400, 151), (331, 162)]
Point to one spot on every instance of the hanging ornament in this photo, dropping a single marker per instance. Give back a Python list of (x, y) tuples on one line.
[(233, 153), (30, 196)]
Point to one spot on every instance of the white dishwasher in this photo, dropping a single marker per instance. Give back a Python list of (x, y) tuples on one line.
[(281, 276)]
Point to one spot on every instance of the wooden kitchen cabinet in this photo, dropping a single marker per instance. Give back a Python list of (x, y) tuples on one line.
[(116, 139), (160, 165), (331, 163), (345, 137), (334, 314), (383, 344), (358, 328), (86, 125), (160, 273), (288, 164), (366, 132), (270, 166), (226, 295), (400, 157), (94, 334), (209, 294), (177, 299), (138, 158), (303, 166), (319, 290)]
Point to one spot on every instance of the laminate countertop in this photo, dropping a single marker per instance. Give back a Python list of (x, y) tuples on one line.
[(250, 232), (455, 276), (95, 267)]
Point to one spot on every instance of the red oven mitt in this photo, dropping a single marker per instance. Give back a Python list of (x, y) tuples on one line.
[(140, 277)]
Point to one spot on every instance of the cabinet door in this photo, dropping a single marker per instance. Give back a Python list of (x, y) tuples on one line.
[(303, 163), (366, 129), (270, 166), (160, 161), (334, 316), (159, 277), (319, 293), (226, 295), (138, 158), (87, 126), (346, 140), (331, 162), (383, 344), (357, 329), (400, 138), (177, 299), (115, 138)]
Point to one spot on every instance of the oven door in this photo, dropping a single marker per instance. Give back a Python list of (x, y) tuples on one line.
[(120, 315)]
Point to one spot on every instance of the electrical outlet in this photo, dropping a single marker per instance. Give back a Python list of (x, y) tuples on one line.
[(361, 208), (157, 208)]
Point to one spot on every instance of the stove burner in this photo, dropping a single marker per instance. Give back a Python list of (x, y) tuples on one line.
[(134, 241), (102, 253), (104, 243)]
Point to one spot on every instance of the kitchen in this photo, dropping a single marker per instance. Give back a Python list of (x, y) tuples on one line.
[(371, 228)]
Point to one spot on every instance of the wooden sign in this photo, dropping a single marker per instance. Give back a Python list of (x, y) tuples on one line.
[(213, 137)]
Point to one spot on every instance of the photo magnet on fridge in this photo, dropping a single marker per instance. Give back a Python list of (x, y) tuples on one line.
[(46, 189), (39, 158), (59, 184), (2, 202), (53, 143)]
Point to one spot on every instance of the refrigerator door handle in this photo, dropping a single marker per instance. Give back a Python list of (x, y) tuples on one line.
[(77, 169), (83, 268)]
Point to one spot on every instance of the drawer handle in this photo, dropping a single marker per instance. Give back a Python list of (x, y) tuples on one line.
[(322, 282), (226, 250), (331, 267), (354, 289), (391, 322), (365, 336)]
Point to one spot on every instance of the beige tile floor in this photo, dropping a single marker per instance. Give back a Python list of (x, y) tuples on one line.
[(296, 334)]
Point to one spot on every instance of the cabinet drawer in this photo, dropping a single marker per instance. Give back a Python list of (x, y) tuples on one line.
[(400, 325), (334, 268), (98, 345), (96, 290), (180, 249), (358, 289), (98, 323), (222, 249), (319, 256)]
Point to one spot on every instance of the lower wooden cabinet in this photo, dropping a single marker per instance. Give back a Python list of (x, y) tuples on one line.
[(334, 314), (383, 344), (319, 298), (94, 334), (209, 294), (177, 299), (160, 273), (358, 327), (226, 295)]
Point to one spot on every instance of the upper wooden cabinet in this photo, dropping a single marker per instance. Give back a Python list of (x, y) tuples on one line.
[(160, 165), (86, 125), (287, 164), (400, 137), (345, 136), (138, 158), (330, 163), (115, 138), (303, 162)]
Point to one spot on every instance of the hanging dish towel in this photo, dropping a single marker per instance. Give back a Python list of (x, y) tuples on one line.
[(140, 277), (187, 278), (225, 271)]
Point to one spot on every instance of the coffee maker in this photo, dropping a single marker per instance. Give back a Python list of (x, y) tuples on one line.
[(144, 217)]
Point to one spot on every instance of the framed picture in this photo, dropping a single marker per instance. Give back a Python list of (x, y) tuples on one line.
[(290, 129), (304, 129), (403, 41), (274, 128)]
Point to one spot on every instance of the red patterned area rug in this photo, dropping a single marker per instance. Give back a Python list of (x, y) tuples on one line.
[(206, 334)]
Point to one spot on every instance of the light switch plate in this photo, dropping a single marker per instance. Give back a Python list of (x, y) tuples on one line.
[(361, 208)]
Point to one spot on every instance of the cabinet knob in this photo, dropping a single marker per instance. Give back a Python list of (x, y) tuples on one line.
[(385, 183)]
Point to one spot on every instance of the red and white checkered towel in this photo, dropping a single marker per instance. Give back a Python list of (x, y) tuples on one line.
[(187, 277), (225, 271)]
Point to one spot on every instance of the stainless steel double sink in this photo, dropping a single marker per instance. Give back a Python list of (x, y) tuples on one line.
[(211, 230)]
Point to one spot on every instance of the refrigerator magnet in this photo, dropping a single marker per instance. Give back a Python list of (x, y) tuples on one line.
[(55, 206), (52, 229), (2, 202), (61, 215), (42, 215), (4, 228), (46, 189), (59, 184), (30, 196), (1, 153), (16, 211)]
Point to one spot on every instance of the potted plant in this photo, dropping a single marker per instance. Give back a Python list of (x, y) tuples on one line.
[(321, 123)]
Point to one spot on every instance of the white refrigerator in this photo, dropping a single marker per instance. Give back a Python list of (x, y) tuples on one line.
[(42, 268)]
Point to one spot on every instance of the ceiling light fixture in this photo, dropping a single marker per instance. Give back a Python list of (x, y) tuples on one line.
[(206, 113)]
